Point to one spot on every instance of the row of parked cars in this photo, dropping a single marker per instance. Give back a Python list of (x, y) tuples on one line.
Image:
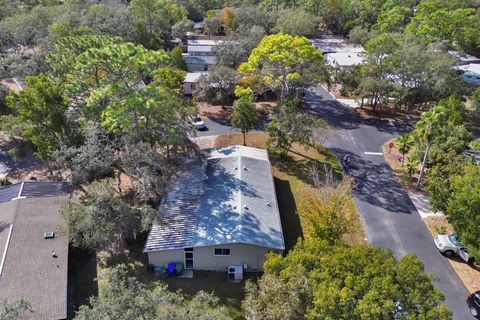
[(450, 246)]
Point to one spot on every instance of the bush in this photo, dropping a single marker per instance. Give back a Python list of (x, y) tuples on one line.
[(17, 153), (475, 145), (441, 229), (4, 181)]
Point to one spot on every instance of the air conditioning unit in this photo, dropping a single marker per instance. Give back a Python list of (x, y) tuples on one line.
[(235, 272)]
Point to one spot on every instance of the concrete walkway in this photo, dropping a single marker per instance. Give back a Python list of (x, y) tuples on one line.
[(422, 203)]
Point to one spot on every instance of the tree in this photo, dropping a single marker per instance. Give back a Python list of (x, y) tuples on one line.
[(281, 59), (126, 298), (3, 100), (42, 106), (250, 16), (330, 217), (177, 58), (439, 181), (274, 299), (114, 20), (290, 126), (296, 22), (15, 310), (170, 78), (356, 282), (102, 219), (245, 115), (156, 18), (404, 143), (180, 29), (238, 46), (458, 27), (217, 86), (463, 208), (444, 116)]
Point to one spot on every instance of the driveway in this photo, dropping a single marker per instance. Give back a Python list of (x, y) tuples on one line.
[(389, 217), (218, 126)]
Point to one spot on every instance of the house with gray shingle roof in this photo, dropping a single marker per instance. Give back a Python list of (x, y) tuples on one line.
[(220, 213), (33, 250)]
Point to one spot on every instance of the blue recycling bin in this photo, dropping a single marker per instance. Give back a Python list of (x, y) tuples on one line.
[(171, 269)]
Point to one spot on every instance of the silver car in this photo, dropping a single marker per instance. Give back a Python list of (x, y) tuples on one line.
[(450, 245), (198, 122)]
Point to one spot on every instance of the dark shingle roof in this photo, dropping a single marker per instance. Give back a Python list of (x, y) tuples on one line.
[(229, 200), (27, 268), (31, 189)]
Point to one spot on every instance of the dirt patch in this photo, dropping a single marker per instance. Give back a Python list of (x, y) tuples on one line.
[(394, 159)]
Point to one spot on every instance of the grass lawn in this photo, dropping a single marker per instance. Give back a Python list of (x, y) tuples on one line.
[(294, 186)]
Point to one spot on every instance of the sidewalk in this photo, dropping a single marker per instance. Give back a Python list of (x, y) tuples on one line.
[(422, 203)]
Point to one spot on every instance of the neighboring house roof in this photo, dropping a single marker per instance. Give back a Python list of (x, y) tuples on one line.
[(471, 73), (204, 42), (462, 58), (200, 59), (31, 267), (344, 59), (196, 48), (194, 77), (332, 43), (230, 199)]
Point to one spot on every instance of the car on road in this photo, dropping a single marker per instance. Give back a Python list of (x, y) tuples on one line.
[(473, 302), (450, 245), (198, 122)]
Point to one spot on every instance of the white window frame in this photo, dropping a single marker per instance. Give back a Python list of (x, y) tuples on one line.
[(222, 255)]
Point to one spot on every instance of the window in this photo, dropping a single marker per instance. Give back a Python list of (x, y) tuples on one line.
[(193, 86), (188, 253), (222, 252)]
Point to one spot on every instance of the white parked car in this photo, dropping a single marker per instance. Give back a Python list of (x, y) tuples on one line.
[(450, 246), (198, 122)]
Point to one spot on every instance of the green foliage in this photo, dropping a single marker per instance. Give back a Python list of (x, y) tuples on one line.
[(15, 310), (475, 145), (281, 59), (170, 78), (464, 206), (3, 100), (439, 181), (330, 217), (17, 153), (103, 219), (357, 282), (42, 106), (296, 22), (4, 182), (217, 87), (238, 46), (155, 19), (177, 59), (440, 130), (475, 99), (458, 27), (275, 299), (126, 298), (290, 126), (245, 115)]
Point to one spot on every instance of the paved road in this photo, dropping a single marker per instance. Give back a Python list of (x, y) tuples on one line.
[(222, 126), (388, 215)]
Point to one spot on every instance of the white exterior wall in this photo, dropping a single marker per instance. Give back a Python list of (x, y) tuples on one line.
[(205, 259), (189, 88)]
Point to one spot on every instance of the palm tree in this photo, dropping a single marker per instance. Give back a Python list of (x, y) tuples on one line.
[(404, 143)]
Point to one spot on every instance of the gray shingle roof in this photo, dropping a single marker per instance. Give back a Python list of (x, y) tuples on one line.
[(29, 189), (229, 199), (27, 269)]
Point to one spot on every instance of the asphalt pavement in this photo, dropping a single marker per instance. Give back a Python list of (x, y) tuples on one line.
[(388, 215)]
